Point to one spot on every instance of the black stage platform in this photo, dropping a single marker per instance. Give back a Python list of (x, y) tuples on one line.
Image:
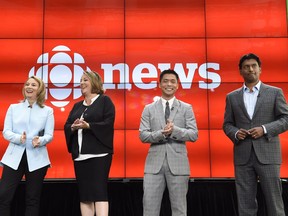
[(206, 197)]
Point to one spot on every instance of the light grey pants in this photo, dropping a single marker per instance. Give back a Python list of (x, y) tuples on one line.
[(154, 186)]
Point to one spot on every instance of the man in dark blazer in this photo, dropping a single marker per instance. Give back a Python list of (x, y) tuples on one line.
[(167, 161), (254, 116)]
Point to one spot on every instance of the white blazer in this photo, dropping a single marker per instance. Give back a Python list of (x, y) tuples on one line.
[(34, 121)]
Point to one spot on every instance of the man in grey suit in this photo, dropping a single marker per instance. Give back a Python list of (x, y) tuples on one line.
[(167, 161), (254, 116)]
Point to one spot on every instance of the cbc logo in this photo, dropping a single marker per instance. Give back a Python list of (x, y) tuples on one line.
[(61, 71)]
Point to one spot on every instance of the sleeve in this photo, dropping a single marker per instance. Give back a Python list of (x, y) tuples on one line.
[(67, 130), (280, 124), (190, 131), (104, 130), (229, 122), (49, 128), (8, 132), (147, 135)]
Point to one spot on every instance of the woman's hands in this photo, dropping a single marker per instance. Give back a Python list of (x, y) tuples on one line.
[(35, 141), (79, 124)]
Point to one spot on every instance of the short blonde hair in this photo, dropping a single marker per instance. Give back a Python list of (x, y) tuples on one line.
[(41, 91)]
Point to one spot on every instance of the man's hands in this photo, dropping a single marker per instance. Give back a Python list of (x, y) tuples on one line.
[(255, 133), (168, 128), (80, 124)]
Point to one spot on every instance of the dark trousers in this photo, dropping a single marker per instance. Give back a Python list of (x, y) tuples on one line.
[(10, 181), (246, 187)]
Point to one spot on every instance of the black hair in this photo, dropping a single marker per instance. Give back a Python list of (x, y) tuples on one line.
[(168, 71), (247, 57)]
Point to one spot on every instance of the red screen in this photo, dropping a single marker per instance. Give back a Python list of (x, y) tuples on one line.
[(129, 43)]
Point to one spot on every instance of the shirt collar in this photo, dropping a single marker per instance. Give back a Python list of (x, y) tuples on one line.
[(92, 100), (257, 86), (171, 101)]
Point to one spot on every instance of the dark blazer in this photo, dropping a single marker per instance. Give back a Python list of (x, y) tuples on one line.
[(270, 110), (99, 138)]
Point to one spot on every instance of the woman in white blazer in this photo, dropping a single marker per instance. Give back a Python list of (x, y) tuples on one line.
[(28, 127)]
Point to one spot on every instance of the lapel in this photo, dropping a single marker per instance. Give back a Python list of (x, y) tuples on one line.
[(241, 102), (175, 107), (160, 113), (259, 101)]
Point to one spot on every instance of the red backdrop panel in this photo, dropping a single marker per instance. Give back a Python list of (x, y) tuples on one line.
[(17, 57), (164, 18), (221, 149), (273, 53), (257, 18), (21, 19), (84, 19)]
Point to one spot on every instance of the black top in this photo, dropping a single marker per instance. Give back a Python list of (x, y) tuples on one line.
[(98, 138)]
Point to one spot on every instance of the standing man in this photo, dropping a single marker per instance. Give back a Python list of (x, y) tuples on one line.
[(254, 116), (167, 124)]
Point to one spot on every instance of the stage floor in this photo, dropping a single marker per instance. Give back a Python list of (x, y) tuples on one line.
[(206, 197)]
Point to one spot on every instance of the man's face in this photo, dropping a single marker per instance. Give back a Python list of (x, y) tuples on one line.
[(250, 71), (168, 85)]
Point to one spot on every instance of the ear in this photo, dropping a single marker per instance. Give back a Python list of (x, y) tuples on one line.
[(240, 72)]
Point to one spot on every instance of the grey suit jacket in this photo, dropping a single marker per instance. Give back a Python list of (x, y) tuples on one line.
[(271, 110), (185, 129)]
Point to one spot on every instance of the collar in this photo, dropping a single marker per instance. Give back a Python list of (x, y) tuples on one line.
[(256, 87), (28, 105), (171, 101), (92, 100)]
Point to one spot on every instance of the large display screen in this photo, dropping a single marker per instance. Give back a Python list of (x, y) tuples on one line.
[(129, 43)]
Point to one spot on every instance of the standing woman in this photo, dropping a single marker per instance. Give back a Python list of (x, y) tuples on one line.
[(28, 126), (89, 132)]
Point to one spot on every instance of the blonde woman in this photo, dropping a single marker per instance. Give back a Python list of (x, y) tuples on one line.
[(28, 127)]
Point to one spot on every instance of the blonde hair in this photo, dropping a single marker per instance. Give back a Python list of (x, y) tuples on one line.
[(41, 91), (96, 82)]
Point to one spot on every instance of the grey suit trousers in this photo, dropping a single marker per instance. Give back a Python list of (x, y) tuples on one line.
[(246, 186), (154, 186)]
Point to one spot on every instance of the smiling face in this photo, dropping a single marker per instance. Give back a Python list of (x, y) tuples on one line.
[(250, 71), (85, 85), (31, 88), (169, 86)]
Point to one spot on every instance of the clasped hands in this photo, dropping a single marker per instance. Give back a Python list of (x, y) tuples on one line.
[(255, 133), (35, 141), (168, 128), (80, 124)]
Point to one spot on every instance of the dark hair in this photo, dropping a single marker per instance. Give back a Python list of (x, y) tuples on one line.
[(247, 57), (168, 71)]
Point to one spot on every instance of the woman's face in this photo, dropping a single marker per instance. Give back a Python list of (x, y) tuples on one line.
[(85, 85), (31, 89)]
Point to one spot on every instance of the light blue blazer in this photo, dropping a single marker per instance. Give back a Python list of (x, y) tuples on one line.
[(33, 121)]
